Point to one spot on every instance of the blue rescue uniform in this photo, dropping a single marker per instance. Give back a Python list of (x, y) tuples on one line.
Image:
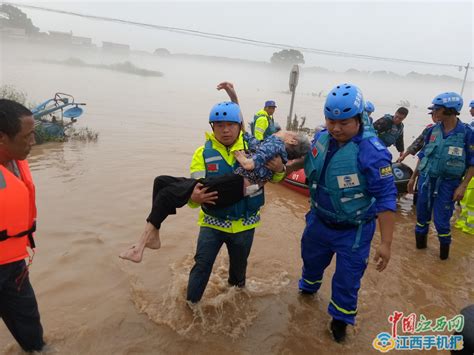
[(443, 162), (349, 186)]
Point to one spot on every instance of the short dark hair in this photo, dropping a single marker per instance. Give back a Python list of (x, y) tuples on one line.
[(10, 114), (403, 111), (300, 149), (449, 111)]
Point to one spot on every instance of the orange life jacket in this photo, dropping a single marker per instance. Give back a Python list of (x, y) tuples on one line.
[(17, 213)]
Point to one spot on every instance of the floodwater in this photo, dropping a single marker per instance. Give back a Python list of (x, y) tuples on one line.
[(93, 199)]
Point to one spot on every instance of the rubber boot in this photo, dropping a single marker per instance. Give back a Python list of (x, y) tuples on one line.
[(303, 290), (443, 251), (421, 240), (306, 293), (338, 329)]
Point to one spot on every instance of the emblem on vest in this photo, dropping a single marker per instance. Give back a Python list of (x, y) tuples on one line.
[(433, 137), (456, 151), (314, 152), (345, 181)]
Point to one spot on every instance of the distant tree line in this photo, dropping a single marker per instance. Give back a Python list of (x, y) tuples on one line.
[(14, 17), (287, 57)]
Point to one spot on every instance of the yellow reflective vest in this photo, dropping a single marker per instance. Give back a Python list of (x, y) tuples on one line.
[(198, 170)]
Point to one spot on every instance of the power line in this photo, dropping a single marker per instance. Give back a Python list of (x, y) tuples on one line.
[(241, 40)]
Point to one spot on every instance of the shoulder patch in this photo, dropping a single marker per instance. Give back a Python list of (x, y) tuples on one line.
[(376, 143), (212, 168), (385, 171)]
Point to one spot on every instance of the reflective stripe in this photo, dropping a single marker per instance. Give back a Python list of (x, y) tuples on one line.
[(347, 199), (211, 159), (313, 282), (342, 310), (256, 193), (444, 235), (259, 129), (198, 174), (251, 220), (217, 222), (232, 226), (422, 225)]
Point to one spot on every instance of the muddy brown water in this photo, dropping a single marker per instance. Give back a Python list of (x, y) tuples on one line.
[(93, 198)]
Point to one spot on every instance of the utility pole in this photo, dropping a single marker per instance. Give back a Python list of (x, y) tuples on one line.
[(294, 75), (465, 77)]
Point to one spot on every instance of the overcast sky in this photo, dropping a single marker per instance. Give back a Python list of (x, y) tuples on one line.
[(434, 31)]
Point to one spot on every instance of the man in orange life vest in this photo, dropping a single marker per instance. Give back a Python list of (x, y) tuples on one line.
[(18, 306)]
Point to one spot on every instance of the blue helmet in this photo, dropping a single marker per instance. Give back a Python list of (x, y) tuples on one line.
[(471, 104), (448, 100), (369, 107), (225, 112), (344, 101)]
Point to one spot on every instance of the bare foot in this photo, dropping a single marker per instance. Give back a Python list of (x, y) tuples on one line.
[(150, 239), (133, 254), (246, 163)]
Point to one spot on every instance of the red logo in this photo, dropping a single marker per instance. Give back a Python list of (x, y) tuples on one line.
[(212, 167), (432, 138), (315, 152)]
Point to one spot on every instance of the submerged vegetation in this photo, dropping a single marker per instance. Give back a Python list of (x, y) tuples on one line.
[(83, 134), (123, 67)]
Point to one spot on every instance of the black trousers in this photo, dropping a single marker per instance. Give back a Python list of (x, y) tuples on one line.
[(18, 308), (170, 193)]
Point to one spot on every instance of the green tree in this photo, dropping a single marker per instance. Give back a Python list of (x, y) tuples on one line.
[(287, 57), (16, 18)]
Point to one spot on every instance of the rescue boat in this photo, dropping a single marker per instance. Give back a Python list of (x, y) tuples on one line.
[(298, 182)]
